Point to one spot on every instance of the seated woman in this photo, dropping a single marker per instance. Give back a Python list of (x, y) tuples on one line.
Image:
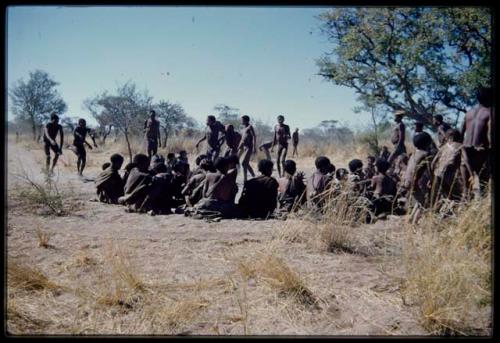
[(109, 183), (384, 189), (218, 193), (193, 191), (291, 190), (137, 186), (260, 194)]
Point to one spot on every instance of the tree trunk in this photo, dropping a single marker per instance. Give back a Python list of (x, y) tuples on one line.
[(128, 145), (33, 125), (375, 128)]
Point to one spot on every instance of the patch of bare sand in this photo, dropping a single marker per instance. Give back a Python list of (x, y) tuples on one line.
[(189, 282)]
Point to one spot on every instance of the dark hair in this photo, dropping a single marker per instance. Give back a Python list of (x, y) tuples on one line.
[(331, 169), (229, 126), (116, 158), (265, 166), (182, 152), (371, 157), (160, 168), (419, 124), (179, 165), (290, 167), (207, 165), (355, 164), (322, 163), (105, 165), (281, 117), (157, 159), (341, 173), (220, 163), (81, 120), (382, 165), (454, 135), (170, 155), (439, 118), (152, 112), (200, 158), (484, 96), (141, 161), (422, 142), (245, 117), (211, 118), (54, 116)]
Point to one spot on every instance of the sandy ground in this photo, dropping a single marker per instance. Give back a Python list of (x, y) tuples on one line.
[(358, 293)]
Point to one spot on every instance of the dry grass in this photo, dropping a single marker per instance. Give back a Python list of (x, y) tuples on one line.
[(27, 278), (448, 264), (43, 238)]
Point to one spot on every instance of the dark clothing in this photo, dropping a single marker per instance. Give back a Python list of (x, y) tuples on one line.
[(109, 186), (160, 194), (259, 197)]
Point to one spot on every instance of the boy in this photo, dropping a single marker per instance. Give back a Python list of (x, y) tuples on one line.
[(49, 138), (247, 146), (291, 190), (79, 141)]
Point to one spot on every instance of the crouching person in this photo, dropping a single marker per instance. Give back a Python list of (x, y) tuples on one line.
[(259, 197), (218, 193), (109, 183), (137, 186), (291, 190)]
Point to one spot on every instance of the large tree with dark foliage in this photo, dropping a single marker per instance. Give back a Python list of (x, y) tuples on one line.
[(425, 61)]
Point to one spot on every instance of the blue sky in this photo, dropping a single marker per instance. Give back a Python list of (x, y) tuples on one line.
[(260, 60)]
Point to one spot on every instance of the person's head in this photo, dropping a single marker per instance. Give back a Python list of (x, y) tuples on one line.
[(245, 119), (297, 130), (398, 116), (152, 114), (322, 163), (229, 128), (207, 165), (170, 156), (290, 167), (181, 167), (141, 161), (106, 165), (82, 122), (183, 154), (54, 118), (370, 160), (160, 168), (484, 96), (422, 142), (200, 158), (116, 161), (382, 165), (281, 119), (341, 174), (221, 164), (210, 120), (437, 119), (331, 169), (385, 149), (419, 126), (266, 167), (355, 165), (454, 135), (233, 161)]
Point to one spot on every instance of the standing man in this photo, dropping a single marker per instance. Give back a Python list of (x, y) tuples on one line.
[(398, 136), (79, 141), (247, 146), (152, 134), (49, 138), (281, 137), (476, 131), (233, 139), (442, 128), (295, 140), (213, 131)]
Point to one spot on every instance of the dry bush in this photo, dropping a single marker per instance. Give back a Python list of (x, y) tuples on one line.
[(448, 266), (27, 278), (276, 273), (43, 238)]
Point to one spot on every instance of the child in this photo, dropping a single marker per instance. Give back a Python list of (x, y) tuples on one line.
[(109, 183)]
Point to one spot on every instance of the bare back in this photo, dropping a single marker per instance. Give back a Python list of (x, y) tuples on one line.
[(476, 125)]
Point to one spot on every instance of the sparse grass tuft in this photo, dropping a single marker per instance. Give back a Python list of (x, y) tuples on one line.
[(28, 278), (43, 238)]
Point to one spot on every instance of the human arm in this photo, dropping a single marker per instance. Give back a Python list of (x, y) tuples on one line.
[(254, 139), (46, 134), (201, 140)]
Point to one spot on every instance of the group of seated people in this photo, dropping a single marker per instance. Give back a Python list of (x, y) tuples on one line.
[(157, 186)]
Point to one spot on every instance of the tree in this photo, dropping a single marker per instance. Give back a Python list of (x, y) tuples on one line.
[(172, 118), (425, 61), (228, 115), (125, 110), (370, 104), (34, 100)]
